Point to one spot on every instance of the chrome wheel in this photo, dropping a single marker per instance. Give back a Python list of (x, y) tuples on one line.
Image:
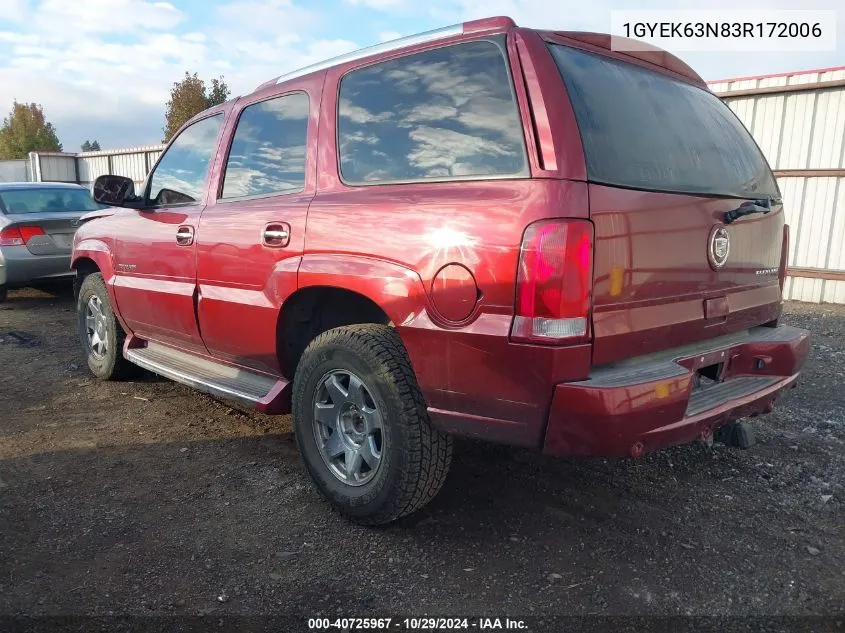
[(96, 327), (348, 427)]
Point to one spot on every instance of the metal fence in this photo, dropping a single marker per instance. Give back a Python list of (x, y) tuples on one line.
[(798, 120), (84, 168), (15, 171)]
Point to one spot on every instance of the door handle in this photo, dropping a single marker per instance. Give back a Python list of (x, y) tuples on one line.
[(185, 236), (276, 234)]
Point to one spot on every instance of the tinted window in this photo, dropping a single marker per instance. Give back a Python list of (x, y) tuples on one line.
[(47, 200), (268, 150), (645, 130), (444, 113), (179, 177)]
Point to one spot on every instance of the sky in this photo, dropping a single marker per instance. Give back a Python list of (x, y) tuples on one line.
[(103, 69)]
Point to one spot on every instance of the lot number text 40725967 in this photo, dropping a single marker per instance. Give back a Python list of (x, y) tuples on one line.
[(416, 624)]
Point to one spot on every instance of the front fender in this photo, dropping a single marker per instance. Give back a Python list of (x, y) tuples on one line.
[(98, 251)]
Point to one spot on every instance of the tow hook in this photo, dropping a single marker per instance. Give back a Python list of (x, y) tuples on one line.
[(706, 437), (736, 435)]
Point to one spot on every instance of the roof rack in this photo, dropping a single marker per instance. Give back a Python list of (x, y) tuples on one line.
[(402, 42)]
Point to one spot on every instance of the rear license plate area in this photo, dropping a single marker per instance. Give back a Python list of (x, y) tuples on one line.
[(708, 375)]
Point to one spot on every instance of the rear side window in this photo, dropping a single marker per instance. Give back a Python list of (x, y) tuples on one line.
[(268, 150), (47, 200), (447, 113), (644, 130)]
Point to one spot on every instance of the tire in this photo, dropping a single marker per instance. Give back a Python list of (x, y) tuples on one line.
[(402, 464), (105, 352), (4, 293)]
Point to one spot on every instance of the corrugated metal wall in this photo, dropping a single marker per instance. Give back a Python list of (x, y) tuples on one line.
[(55, 167), (133, 163), (15, 171), (84, 168), (799, 122)]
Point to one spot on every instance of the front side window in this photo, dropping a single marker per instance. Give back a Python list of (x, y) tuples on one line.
[(447, 113), (179, 177), (268, 150)]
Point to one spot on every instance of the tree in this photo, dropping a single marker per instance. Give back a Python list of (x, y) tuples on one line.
[(26, 130), (95, 146), (188, 98), (88, 146)]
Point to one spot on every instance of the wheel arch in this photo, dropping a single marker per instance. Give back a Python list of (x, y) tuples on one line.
[(93, 256), (312, 310), (338, 290)]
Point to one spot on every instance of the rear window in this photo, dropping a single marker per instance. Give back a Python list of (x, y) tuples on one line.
[(47, 200), (644, 130)]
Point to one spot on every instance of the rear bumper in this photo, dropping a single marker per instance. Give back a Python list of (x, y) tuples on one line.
[(652, 402), (19, 267)]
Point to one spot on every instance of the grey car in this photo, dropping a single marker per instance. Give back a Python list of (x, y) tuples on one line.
[(37, 223)]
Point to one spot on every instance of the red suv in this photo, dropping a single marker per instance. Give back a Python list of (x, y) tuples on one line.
[(515, 235)]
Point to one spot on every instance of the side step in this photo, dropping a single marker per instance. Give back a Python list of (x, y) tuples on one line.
[(263, 392)]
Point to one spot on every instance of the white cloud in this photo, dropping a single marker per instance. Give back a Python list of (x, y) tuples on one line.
[(105, 78), (13, 10), (73, 18), (381, 5), (266, 17), (18, 38)]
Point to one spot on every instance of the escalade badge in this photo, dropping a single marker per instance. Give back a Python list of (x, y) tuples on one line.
[(719, 247)]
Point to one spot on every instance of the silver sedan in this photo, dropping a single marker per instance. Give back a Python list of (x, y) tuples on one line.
[(37, 223)]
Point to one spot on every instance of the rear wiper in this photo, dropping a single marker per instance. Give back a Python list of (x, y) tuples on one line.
[(747, 208)]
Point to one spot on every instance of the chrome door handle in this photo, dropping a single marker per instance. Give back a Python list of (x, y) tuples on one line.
[(276, 235), (185, 236)]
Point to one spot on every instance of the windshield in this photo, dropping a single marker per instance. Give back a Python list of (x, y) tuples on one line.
[(47, 200), (644, 130)]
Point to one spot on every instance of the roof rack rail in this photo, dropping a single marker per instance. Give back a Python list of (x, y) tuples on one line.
[(384, 47), (402, 42)]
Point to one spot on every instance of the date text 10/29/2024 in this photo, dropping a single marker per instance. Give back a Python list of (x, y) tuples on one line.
[(416, 624)]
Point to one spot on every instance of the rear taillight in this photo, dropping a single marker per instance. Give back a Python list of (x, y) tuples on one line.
[(19, 235), (784, 257), (554, 282)]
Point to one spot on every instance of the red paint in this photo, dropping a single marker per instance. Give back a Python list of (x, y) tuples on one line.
[(592, 421), (652, 275), (442, 261)]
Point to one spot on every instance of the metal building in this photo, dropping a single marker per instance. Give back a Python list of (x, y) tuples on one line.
[(83, 168), (798, 120)]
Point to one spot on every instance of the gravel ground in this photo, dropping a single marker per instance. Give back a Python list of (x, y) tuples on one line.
[(146, 498)]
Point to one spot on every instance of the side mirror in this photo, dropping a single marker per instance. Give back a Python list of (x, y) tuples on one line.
[(115, 191)]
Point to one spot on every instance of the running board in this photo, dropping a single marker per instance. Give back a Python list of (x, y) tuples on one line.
[(263, 392)]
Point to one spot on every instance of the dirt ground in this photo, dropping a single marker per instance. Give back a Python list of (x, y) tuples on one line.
[(147, 498)]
